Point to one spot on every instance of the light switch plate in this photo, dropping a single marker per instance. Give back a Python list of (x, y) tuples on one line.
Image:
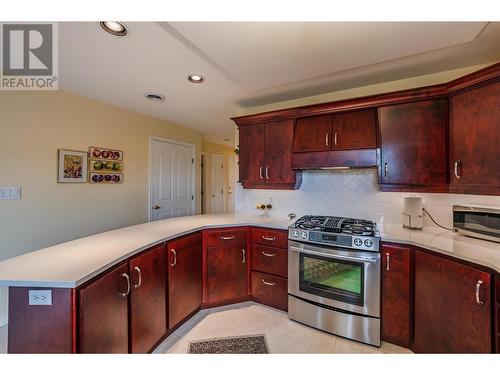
[(10, 193), (40, 297)]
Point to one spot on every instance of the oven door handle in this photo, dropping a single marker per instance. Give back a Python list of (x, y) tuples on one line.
[(327, 255)]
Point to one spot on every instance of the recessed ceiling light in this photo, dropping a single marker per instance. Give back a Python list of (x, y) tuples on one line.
[(154, 97), (114, 27), (196, 78)]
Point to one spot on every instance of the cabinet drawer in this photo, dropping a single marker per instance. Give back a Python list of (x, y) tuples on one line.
[(269, 237), (271, 260), (270, 290), (226, 237)]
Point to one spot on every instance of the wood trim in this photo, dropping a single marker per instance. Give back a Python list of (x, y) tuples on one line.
[(468, 82), (364, 158)]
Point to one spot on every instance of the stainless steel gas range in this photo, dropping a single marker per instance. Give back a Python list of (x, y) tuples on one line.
[(334, 276)]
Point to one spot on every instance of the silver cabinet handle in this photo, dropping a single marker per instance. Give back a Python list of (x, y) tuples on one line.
[(386, 168), (457, 163), (267, 173), (268, 283), (335, 139), (327, 136), (243, 256), (268, 255), (138, 270), (128, 285), (388, 260), (227, 238), (268, 238), (175, 258), (478, 289), (260, 173)]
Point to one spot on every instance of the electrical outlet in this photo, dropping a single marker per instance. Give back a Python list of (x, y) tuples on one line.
[(10, 193), (40, 297)]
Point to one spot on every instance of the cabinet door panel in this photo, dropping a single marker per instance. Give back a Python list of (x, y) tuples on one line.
[(278, 152), (396, 294), (270, 290), (414, 143), (103, 317), (476, 136), (251, 159), (226, 273), (313, 134), (448, 317), (354, 130), (270, 260), (148, 312), (184, 277)]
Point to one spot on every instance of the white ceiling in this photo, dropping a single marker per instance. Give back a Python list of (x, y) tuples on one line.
[(248, 64)]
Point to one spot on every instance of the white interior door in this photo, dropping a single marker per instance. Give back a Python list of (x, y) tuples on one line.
[(172, 180), (216, 184), (231, 181)]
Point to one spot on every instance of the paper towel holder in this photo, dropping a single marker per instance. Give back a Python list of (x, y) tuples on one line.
[(415, 216)]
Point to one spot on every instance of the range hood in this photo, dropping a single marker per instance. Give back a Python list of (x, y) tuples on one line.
[(342, 159)]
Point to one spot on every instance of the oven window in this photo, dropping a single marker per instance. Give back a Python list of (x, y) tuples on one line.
[(337, 279)]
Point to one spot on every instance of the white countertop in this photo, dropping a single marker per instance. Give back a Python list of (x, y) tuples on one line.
[(70, 264)]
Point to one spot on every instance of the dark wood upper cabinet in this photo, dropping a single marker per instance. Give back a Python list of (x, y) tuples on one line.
[(414, 143), (252, 158), (148, 310), (354, 130), (226, 267), (103, 315), (475, 140), (278, 150), (184, 278), (396, 294), (452, 307), (313, 134), (265, 158)]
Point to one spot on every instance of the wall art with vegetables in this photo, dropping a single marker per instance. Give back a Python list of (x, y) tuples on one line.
[(103, 165)]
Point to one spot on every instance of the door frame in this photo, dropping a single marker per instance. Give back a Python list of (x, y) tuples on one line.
[(223, 180), (153, 138)]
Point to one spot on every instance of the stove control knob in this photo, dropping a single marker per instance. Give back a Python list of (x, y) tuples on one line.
[(368, 243), (295, 233), (303, 235), (358, 242)]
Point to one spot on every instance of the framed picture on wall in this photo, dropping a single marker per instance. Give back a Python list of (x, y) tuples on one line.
[(72, 166)]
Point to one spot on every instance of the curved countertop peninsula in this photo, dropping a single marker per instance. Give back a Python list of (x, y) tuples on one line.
[(70, 264)]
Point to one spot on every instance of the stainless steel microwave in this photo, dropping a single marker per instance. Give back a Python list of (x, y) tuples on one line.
[(480, 222)]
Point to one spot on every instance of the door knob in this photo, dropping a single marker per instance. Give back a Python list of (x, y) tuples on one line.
[(156, 207)]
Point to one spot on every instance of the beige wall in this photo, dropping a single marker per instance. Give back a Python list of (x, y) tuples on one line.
[(379, 88), (210, 148), (33, 126)]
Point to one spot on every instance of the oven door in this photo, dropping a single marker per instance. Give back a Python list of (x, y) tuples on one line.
[(336, 277)]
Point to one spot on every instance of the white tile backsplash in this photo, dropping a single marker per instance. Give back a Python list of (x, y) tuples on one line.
[(352, 193)]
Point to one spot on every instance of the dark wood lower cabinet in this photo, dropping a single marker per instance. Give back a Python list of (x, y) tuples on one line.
[(184, 278), (147, 299), (396, 294), (226, 267), (453, 307), (270, 290), (103, 317)]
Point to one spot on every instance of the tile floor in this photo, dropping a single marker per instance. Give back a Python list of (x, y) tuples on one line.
[(282, 334)]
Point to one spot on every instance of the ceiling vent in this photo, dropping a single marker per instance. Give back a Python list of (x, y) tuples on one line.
[(154, 97)]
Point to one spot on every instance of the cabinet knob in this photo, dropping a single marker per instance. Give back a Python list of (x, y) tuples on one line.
[(127, 278), (478, 289), (457, 164)]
